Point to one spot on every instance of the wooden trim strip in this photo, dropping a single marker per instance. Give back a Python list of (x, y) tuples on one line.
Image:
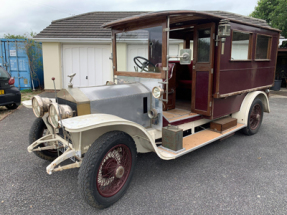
[(139, 74), (262, 59), (114, 51), (241, 92), (248, 60)]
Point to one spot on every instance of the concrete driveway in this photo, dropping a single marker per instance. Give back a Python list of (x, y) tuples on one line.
[(239, 175)]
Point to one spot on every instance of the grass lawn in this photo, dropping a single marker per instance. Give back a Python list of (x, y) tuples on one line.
[(25, 95)]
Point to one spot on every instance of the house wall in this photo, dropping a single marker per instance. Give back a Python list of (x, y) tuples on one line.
[(52, 65)]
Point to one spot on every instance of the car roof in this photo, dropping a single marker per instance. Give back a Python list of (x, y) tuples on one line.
[(188, 15)]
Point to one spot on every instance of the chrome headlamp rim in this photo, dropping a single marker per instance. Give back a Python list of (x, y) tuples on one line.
[(159, 90), (152, 113), (61, 111), (38, 100), (56, 110), (43, 105)]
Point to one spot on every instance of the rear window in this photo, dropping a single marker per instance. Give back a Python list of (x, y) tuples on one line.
[(263, 47), (3, 74)]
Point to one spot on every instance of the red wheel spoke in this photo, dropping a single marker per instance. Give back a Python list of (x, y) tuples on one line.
[(109, 182)]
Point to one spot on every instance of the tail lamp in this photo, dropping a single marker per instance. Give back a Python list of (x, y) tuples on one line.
[(11, 81)]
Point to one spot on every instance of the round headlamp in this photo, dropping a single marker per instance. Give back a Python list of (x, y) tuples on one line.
[(152, 113), (157, 92), (40, 105), (57, 112)]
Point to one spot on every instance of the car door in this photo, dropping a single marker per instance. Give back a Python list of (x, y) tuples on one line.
[(203, 61)]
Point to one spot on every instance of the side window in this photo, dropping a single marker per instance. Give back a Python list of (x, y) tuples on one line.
[(263, 47), (241, 46), (203, 45)]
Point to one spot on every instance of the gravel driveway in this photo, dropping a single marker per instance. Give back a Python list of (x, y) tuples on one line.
[(239, 175)]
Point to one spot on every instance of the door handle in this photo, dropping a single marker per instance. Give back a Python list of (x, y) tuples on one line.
[(193, 67)]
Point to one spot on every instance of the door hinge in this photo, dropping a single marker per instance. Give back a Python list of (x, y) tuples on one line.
[(166, 29), (210, 103), (211, 71)]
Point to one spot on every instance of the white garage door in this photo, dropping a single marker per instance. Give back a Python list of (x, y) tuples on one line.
[(90, 63), (141, 50)]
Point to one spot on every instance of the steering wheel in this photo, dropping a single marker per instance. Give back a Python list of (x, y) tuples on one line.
[(143, 65)]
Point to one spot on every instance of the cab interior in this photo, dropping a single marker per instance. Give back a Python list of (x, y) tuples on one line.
[(180, 81)]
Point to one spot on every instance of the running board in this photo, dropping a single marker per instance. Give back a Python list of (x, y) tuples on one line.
[(198, 140)]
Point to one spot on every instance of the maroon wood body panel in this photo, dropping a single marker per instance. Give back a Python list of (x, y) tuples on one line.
[(242, 75), (201, 98), (242, 79), (225, 106)]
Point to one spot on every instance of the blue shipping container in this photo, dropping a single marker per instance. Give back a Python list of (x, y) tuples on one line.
[(15, 60)]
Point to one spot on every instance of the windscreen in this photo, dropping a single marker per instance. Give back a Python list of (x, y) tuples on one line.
[(139, 50)]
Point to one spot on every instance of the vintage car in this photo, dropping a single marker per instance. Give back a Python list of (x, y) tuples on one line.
[(182, 80)]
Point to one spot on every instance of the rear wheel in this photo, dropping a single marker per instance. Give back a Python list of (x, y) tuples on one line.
[(255, 117), (37, 131), (11, 106), (107, 169)]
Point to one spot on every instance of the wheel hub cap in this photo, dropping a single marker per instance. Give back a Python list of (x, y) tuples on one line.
[(120, 172)]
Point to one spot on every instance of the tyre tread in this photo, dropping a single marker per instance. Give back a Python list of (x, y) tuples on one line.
[(247, 131)]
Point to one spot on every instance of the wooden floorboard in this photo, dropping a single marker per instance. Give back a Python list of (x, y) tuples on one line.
[(177, 114)]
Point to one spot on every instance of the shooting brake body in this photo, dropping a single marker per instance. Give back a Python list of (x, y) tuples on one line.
[(166, 104)]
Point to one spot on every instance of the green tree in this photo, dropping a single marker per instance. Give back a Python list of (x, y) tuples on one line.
[(33, 51), (279, 17), (12, 36), (274, 12)]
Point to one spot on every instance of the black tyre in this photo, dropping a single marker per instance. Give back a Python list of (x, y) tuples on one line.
[(11, 106), (107, 169), (37, 131), (255, 117)]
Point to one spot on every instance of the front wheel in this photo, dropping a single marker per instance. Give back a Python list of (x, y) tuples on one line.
[(107, 169), (255, 117), (37, 131)]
